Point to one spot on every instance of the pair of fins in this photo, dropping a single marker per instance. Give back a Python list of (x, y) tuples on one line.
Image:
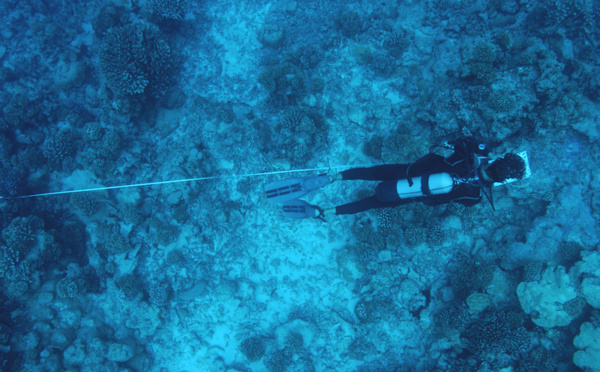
[(288, 191)]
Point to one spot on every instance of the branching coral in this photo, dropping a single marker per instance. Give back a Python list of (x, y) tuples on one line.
[(252, 348), (169, 9), (136, 60), (85, 202), (60, 146), (22, 234), (12, 180), (115, 242), (20, 111), (494, 333), (160, 293), (71, 287), (481, 63)]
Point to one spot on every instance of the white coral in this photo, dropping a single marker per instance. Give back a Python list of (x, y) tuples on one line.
[(590, 286), (544, 299), (588, 343)]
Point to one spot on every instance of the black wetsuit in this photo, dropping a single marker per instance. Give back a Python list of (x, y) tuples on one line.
[(461, 165)]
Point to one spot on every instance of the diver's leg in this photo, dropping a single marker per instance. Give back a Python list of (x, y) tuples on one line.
[(364, 205), (378, 173)]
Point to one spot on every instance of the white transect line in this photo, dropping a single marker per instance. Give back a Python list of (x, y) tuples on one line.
[(182, 181)]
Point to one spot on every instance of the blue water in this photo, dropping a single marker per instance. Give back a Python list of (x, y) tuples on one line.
[(208, 275)]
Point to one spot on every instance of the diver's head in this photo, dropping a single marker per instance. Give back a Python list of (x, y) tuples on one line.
[(509, 166)]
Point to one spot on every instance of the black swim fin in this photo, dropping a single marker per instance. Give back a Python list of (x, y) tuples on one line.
[(294, 188), (299, 209)]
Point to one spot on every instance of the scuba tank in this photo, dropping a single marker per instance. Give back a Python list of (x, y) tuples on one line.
[(415, 187)]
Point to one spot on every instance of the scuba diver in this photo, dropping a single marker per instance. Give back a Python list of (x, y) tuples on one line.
[(433, 179)]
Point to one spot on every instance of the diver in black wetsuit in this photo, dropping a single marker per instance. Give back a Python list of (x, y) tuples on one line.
[(462, 177)]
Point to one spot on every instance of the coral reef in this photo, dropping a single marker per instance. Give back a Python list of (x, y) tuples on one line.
[(194, 106)]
